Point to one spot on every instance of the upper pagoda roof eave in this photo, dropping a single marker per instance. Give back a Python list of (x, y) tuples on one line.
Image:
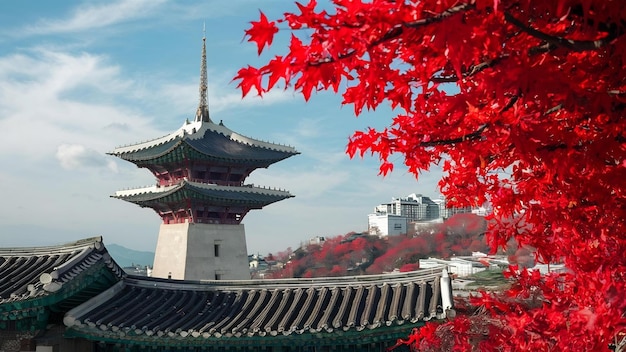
[(196, 130)]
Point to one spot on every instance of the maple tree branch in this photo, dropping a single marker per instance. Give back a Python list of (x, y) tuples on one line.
[(576, 45), (553, 109), (474, 69), (540, 49), (444, 79), (397, 30), (441, 16), (466, 137), (473, 135), (509, 104)]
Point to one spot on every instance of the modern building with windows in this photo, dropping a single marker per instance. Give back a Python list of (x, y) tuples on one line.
[(446, 212), (387, 225), (414, 207), (393, 218)]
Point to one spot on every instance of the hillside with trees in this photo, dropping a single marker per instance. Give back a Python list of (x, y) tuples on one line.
[(358, 254)]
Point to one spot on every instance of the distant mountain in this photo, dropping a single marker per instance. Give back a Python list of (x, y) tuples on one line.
[(128, 257)]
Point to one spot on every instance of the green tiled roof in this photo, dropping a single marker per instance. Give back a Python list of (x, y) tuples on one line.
[(211, 146), (305, 312), (35, 281)]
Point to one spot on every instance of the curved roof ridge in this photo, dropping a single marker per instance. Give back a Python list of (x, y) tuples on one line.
[(196, 130), (147, 189), (245, 188), (58, 248), (237, 137), (143, 145), (339, 281), (42, 271)]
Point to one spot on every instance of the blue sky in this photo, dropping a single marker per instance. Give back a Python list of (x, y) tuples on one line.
[(78, 78)]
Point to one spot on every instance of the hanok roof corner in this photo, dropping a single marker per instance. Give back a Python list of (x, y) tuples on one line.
[(37, 280)]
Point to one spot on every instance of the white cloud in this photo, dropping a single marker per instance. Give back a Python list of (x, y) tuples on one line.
[(75, 156), (92, 16), (72, 107), (310, 183)]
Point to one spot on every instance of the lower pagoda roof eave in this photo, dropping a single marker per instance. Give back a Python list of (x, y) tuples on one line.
[(253, 197), (157, 190)]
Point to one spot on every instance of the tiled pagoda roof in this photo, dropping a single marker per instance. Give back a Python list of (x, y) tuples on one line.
[(185, 313), (37, 278), (253, 197), (205, 140)]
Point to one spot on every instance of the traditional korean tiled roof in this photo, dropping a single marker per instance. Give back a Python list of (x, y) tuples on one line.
[(253, 197), (183, 313), (59, 277), (205, 140)]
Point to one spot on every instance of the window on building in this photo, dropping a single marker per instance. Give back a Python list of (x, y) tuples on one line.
[(216, 250), (218, 276)]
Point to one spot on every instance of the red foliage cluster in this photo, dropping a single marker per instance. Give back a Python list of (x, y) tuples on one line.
[(535, 126)]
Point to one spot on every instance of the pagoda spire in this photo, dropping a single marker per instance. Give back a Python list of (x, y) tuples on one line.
[(203, 106)]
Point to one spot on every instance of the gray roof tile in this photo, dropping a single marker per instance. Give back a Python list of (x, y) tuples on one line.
[(217, 309)]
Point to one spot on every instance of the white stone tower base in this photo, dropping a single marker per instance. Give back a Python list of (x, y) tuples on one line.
[(193, 251)]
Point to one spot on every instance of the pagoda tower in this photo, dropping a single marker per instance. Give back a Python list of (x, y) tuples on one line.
[(200, 193)]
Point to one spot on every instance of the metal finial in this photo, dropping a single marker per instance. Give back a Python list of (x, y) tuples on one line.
[(203, 107)]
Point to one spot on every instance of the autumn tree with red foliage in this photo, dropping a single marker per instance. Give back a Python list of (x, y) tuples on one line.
[(358, 254), (338, 256), (535, 126), (465, 232)]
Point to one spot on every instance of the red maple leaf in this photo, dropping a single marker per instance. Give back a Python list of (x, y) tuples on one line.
[(249, 77), (262, 32), (278, 68)]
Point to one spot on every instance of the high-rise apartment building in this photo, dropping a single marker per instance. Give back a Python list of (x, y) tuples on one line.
[(393, 218)]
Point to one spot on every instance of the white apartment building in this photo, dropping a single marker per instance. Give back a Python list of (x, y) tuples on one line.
[(387, 225), (395, 217), (414, 207)]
